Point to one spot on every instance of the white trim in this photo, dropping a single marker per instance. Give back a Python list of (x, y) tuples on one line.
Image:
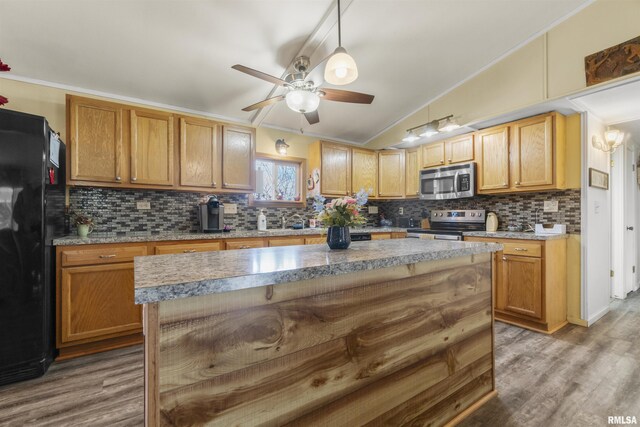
[(593, 319), (315, 135), (584, 217), (489, 65)]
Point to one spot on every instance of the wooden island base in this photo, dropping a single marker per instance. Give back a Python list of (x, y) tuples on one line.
[(406, 345)]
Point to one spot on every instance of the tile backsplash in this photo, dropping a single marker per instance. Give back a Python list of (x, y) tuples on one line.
[(114, 210)]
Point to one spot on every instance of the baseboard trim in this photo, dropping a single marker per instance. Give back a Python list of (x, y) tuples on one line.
[(577, 321), (593, 319), (471, 409)]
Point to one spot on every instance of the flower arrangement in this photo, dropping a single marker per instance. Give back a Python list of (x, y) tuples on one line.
[(3, 67), (341, 212), (81, 219)]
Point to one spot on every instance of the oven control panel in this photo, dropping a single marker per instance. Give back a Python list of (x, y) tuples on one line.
[(469, 215)]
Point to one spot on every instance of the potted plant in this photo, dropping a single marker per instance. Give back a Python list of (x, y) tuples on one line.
[(83, 223), (338, 215)]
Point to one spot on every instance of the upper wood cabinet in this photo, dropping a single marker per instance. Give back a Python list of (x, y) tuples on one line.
[(412, 171), (433, 154), (391, 173), (238, 158), (151, 148), (334, 163), (95, 132), (492, 156), (532, 152), (460, 149), (119, 145), (364, 171), (200, 156)]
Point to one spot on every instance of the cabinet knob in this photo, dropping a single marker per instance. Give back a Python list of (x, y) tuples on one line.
[(244, 247), (189, 251), (133, 178), (504, 258), (118, 178), (504, 184), (521, 249), (226, 184), (441, 161), (517, 182), (214, 184), (449, 160)]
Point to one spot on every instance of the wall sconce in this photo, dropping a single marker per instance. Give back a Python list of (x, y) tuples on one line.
[(431, 128), (612, 140), (281, 147)]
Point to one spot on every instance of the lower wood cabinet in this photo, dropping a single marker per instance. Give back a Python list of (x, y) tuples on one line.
[(244, 244), (286, 241), (530, 283), (188, 248)]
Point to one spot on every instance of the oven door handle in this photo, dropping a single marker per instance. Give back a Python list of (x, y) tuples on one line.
[(455, 183)]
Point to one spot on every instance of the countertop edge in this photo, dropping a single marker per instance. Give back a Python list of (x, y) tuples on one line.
[(205, 287), (519, 235)]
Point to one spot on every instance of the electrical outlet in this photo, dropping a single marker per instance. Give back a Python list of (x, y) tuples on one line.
[(373, 209), (143, 205), (401, 211), (230, 208), (551, 206)]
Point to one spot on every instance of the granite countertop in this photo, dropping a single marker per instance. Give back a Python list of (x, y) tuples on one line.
[(515, 235), (102, 238), (166, 277)]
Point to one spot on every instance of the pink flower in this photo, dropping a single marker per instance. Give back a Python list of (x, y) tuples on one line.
[(4, 67), (3, 100), (350, 201)]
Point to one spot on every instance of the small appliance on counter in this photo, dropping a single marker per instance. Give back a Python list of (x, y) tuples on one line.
[(492, 222), (211, 215)]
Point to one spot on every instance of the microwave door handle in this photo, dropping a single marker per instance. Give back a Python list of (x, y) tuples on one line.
[(455, 183)]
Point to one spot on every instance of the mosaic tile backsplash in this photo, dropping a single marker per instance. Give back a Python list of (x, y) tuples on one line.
[(115, 210)]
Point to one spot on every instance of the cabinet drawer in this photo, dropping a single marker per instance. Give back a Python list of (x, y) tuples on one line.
[(315, 240), (187, 248), (286, 242), (523, 249), (244, 244), (70, 257), (381, 236)]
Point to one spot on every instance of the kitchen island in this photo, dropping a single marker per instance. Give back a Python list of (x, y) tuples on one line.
[(387, 332)]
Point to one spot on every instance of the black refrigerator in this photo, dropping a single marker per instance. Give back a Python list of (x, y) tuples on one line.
[(32, 185)]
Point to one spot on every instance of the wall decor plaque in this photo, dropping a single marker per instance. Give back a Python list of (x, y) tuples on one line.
[(613, 62), (598, 179)]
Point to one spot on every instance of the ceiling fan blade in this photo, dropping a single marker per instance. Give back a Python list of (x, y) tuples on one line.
[(264, 103), (260, 75), (346, 96), (312, 117)]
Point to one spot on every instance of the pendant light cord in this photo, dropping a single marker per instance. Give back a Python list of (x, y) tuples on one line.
[(339, 27)]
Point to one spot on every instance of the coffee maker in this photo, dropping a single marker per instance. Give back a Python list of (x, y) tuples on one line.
[(211, 215)]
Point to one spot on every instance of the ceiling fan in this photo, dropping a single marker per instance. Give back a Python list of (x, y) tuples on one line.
[(302, 96)]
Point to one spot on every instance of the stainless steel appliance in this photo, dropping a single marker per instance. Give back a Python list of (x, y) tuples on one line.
[(211, 216), (448, 182), (450, 224), (360, 237)]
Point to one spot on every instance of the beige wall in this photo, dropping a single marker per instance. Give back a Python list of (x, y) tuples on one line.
[(549, 67), (50, 103)]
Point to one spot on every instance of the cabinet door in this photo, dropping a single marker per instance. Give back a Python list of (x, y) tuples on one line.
[(364, 171), (95, 150), (460, 149), (151, 148), (315, 240), (412, 168), (391, 173), (97, 302), (238, 155), (533, 152), (433, 155), (200, 160), (520, 290), (286, 241), (188, 248), (381, 236), (493, 158), (335, 177)]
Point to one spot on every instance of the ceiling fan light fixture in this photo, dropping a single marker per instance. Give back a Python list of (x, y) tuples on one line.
[(410, 137), (448, 125), (341, 68), (302, 101)]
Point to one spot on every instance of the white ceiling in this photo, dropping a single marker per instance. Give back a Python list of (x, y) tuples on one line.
[(180, 53)]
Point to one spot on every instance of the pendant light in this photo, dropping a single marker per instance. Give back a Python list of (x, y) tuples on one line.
[(430, 129), (448, 125), (410, 136), (341, 69)]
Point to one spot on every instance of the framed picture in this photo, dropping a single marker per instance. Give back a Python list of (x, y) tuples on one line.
[(598, 179)]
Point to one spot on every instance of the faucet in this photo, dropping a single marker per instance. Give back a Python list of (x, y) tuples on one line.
[(285, 221), (530, 227)]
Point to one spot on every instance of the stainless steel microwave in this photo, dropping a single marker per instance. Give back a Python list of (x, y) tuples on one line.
[(448, 182)]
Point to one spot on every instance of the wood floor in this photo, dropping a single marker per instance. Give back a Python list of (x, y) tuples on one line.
[(576, 377)]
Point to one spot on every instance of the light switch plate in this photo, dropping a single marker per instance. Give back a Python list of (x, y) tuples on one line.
[(143, 205), (230, 208), (551, 206), (373, 209), (401, 211)]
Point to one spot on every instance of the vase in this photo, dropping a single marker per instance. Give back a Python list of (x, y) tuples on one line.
[(84, 230), (338, 237)]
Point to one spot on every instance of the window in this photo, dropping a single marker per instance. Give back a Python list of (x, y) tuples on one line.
[(279, 181)]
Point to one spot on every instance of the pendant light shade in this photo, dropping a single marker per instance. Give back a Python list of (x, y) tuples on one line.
[(302, 101), (430, 129), (448, 125), (410, 137), (341, 69)]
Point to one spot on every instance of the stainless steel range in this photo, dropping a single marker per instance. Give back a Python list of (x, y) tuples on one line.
[(449, 225)]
